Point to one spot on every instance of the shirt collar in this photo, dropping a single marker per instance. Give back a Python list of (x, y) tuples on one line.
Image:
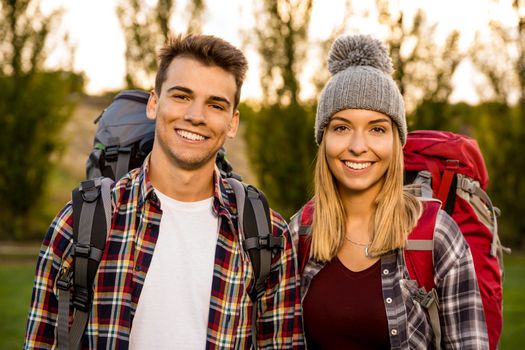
[(223, 195)]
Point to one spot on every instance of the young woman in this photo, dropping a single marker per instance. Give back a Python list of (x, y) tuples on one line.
[(356, 290)]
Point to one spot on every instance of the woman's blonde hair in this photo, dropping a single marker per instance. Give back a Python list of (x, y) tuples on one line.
[(396, 212)]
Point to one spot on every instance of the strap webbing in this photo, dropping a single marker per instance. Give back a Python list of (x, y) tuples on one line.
[(77, 329), (64, 297), (263, 231), (444, 187), (434, 322), (111, 155), (85, 252), (254, 229), (124, 155), (419, 244), (424, 180)]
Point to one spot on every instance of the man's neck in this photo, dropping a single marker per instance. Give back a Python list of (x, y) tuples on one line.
[(180, 184)]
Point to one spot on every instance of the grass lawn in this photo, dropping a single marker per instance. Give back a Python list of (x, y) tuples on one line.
[(15, 294), (514, 303)]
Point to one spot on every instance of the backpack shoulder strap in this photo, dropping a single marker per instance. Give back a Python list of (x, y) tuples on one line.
[(255, 228), (92, 219), (419, 260), (420, 244)]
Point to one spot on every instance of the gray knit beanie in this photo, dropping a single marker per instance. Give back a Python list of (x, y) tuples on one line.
[(361, 79)]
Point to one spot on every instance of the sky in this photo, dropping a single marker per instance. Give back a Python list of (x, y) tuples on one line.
[(99, 44)]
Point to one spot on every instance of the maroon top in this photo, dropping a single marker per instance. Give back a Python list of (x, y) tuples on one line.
[(345, 309)]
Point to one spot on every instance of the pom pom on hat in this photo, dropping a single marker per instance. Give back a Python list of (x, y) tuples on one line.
[(359, 50), (361, 79)]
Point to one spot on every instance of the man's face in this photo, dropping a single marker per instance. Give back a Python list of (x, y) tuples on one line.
[(194, 113)]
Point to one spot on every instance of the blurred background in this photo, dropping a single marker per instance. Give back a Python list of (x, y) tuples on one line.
[(459, 64)]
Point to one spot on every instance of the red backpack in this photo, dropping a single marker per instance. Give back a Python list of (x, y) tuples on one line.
[(450, 168)]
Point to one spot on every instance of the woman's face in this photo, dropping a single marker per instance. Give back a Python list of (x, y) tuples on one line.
[(359, 149)]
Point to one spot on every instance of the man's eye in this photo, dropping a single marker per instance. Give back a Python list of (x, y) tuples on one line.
[(217, 107), (180, 97)]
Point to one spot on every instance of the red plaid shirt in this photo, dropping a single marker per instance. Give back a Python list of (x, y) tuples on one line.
[(127, 256)]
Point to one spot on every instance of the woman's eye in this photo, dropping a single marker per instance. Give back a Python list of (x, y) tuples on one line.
[(378, 129), (340, 128)]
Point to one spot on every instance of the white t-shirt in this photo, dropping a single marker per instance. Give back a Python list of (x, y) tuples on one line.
[(172, 312)]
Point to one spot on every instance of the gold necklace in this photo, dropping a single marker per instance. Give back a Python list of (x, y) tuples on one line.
[(367, 245)]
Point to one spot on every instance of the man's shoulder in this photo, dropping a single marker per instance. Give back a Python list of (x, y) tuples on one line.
[(59, 236), (278, 222)]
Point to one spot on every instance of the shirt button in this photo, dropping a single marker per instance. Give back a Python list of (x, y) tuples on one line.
[(393, 331), (385, 272), (389, 300)]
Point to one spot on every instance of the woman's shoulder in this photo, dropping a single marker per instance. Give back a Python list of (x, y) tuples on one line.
[(449, 244)]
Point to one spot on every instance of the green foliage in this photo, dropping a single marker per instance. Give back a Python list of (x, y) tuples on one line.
[(281, 150), (146, 28), (500, 132), (32, 112), (422, 68), (282, 41), (513, 336), (34, 105), (279, 135)]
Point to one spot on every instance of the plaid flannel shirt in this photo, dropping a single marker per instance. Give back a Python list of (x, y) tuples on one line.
[(127, 256), (461, 313)]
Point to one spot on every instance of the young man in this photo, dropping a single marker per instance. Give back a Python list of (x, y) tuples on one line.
[(173, 273)]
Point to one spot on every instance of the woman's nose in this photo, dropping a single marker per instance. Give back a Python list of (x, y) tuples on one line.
[(358, 144)]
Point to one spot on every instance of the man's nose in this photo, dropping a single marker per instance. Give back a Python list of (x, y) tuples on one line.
[(195, 113)]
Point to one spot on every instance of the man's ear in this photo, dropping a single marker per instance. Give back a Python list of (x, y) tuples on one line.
[(234, 125), (151, 107)]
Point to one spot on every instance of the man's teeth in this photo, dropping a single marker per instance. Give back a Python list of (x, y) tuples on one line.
[(358, 166), (190, 136)]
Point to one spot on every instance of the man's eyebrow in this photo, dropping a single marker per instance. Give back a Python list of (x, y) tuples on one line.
[(181, 88)]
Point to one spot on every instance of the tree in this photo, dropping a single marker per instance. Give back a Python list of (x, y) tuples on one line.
[(422, 69), (280, 131), (146, 28), (500, 128), (34, 105)]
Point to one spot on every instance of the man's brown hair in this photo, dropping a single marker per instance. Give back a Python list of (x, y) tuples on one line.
[(207, 49)]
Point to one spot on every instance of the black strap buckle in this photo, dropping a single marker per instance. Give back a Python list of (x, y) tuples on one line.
[(263, 242), (111, 153), (82, 250), (65, 279), (90, 189)]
